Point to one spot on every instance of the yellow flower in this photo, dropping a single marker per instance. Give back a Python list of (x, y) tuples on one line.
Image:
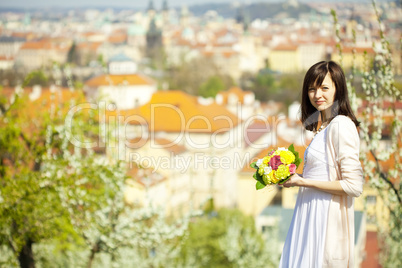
[(266, 160), (279, 150), (272, 177), (287, 157), (266, 179), (282, 172), (261, 169)]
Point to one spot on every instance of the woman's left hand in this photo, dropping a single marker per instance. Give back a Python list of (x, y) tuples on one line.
[(294, 180)]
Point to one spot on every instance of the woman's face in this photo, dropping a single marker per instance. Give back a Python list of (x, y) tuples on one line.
[(323, 96)]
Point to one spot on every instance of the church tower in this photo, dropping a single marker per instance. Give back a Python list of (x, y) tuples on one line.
[(151, 10), (240, 15), (184, 16), (165, 13), (154, 39)]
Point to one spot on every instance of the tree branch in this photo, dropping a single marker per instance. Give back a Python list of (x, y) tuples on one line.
[(3, 109), (27, 142), (11, 245), (384, 178)]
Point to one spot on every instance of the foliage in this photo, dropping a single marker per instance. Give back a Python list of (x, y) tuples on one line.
[(78, 85), (31, 209), (11, 78), (290, 88), (381, 143), (189, 76), (398, 86), (36, 77), (226, 238), (262, 84), (379, 86), (66, 201), (270, 86), (71, 56), (101, 60), (211, 87), (43, 77)]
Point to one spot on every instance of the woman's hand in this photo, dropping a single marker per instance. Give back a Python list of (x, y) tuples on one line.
[(294, 180), (332, 187)]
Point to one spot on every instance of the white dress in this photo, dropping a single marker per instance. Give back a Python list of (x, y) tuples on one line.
[(304, 244)]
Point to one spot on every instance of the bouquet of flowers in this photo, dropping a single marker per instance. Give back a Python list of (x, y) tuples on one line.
[(276, 167)]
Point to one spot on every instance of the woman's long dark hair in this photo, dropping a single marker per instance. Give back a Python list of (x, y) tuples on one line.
[(314, 78)]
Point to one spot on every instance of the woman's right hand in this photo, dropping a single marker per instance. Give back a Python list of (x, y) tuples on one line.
[(294, 180)]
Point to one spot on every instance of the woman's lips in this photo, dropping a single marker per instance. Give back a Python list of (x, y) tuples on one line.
[(319, 102)]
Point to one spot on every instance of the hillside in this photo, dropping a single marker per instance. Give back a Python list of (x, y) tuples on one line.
[(254, 11)]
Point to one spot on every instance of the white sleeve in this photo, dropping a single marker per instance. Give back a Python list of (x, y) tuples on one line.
[(346, 143)]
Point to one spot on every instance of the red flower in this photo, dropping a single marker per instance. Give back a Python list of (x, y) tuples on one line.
[(275, 162), (292, 168)]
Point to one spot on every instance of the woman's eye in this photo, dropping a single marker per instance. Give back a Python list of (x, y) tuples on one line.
[(325, 88)]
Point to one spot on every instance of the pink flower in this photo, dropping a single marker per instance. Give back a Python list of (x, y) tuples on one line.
[(275, 162), (292, 168), (271, 152)]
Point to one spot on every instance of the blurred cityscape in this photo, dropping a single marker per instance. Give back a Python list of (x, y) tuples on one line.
[(199, 92)]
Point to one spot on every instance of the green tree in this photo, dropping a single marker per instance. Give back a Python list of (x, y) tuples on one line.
[(11, 78), (211, 87), (189, 76), (289, 88), (226, 238), (263, 84), (381, 142), (31, 210), (36, 77), (101, 61), (58, 196), (72, 53)]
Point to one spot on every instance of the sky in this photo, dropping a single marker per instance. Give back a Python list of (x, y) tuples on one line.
[(100, 3), (129, 3)]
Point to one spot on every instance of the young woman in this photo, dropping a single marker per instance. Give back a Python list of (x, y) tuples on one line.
[(321, 233)]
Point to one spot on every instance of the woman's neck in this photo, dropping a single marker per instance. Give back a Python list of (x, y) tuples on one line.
[(326, 114)]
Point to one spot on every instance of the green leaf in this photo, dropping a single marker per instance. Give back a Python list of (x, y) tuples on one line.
[(298, 162), (259, 185), (258, 177), (291, 148), (254, 165), (284, 180)]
